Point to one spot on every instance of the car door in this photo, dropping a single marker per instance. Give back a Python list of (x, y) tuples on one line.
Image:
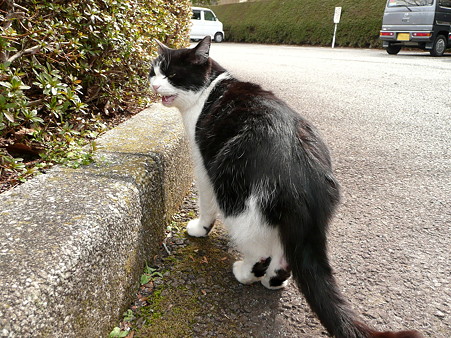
[(443, 16), (211, 24), (196, 23)]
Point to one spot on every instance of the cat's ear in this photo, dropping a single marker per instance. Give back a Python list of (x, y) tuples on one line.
[(161, 46), (202, 50)]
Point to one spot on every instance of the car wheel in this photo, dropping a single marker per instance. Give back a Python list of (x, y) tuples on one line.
[(393, 49), (219, 37), (438, 49)]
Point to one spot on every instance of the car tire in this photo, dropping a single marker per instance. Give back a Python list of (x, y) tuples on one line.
[(393, 49), (219, 37), (439, 47)]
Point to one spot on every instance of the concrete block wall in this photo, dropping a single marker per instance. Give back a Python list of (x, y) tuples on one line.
[(73, 242)]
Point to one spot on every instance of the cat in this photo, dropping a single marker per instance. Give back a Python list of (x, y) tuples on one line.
[(266, 171)]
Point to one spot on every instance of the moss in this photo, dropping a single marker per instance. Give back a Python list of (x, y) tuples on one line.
[(176, 306)]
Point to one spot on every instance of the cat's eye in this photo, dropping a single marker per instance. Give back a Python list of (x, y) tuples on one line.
[(171, 76)]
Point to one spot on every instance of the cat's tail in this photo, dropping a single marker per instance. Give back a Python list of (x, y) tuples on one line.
[(313, 275)]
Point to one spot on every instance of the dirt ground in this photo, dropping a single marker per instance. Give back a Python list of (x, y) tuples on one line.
[(199, 297)]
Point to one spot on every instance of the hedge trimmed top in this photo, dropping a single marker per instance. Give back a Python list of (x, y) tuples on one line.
[(303, 22)]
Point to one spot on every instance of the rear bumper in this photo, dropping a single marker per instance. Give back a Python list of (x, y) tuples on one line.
[(422, 39), (399, 36)]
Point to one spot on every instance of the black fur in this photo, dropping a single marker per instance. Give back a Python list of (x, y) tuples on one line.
[(251, 141), (208, 229), (187, 68), (259, 268), (281, 276)]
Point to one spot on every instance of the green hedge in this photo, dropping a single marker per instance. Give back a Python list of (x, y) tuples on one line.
[(66, 66), (303, 22)]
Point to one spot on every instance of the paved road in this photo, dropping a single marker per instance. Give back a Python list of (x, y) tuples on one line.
[(387, 120)]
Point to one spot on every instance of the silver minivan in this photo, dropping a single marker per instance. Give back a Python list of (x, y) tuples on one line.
[(424, 24)]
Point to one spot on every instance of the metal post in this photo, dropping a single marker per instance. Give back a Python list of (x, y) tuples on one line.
[(335, 33), (337, 16)]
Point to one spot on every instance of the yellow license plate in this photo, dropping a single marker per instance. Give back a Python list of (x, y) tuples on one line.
[(403, 37)]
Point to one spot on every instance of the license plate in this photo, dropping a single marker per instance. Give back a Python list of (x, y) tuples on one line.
[(403, 37)]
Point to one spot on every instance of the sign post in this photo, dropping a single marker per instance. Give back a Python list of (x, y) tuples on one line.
[(337, 16)]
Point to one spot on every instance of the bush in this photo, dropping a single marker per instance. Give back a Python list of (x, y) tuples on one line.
[(68, 66), (303, 22)]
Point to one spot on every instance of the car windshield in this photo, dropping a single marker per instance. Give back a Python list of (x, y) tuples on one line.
[(209, 16), (410, 3)]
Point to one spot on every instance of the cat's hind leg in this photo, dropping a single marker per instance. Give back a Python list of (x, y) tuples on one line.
[(208, 210), (278, 272), (253, 238)]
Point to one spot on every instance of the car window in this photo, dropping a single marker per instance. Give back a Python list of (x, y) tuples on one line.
[(196, 15), (395, 3), (209, 16), (445, 3)]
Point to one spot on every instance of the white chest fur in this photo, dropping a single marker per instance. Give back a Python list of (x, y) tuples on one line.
[(191, 112)]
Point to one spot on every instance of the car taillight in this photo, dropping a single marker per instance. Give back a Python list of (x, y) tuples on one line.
[(422, 34), (387, 33)]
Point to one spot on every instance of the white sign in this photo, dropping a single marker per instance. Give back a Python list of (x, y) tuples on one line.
[(337, 15)]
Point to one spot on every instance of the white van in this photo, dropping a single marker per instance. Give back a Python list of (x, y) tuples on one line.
[(204, 22)]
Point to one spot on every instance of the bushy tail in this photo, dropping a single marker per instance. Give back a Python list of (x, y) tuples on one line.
[(313, 275)]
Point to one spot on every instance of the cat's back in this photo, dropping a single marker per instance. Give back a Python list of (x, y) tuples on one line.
[(243, 115), (238, 106), (248, 136)]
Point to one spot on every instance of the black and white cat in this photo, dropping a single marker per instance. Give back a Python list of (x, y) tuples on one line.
[(265, 170)]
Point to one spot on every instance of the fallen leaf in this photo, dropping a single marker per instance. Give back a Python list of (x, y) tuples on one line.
[(21, 148)]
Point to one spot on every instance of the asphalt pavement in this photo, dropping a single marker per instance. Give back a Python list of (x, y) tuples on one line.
[(387, 121)]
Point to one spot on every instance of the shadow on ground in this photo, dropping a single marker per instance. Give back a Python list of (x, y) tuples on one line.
[(199, 296)]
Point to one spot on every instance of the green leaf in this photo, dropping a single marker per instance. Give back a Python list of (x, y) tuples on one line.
[(145, 278), (129, 316), (117, 332), (9, 116), (5, 84)]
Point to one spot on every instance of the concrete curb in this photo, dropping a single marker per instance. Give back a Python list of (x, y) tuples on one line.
[(74, 241)]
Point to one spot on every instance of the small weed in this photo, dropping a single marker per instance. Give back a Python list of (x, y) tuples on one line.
[(129, 316), (118, 333), (149, 275), (175, 229)]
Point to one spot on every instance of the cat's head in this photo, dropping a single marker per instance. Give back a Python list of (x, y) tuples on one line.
[(178, 75)]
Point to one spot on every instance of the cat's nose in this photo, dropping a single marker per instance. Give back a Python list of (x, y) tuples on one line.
[(155, 87)]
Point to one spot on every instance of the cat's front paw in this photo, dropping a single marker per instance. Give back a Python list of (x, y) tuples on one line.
[(196, 228), (243, 274)]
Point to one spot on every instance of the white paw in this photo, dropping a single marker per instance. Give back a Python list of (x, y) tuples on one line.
[(266, 283), (196, 229), (243, 274)]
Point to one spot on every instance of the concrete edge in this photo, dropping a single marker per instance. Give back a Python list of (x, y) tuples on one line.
[(73, 242)]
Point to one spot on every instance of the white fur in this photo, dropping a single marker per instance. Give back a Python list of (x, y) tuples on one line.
[(190, 108), (190, 104), (161, 81), (256, 240)]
